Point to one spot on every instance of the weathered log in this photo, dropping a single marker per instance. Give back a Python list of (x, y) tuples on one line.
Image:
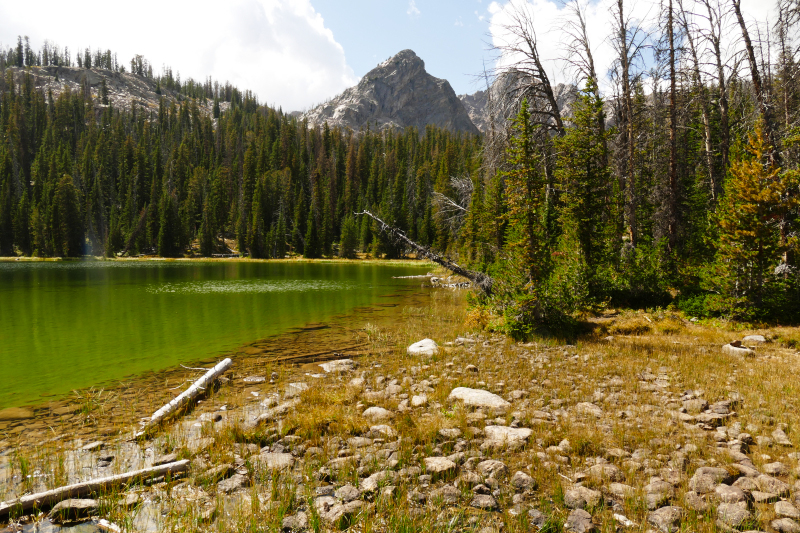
[(479, 279), (47, 499), (186, 396)]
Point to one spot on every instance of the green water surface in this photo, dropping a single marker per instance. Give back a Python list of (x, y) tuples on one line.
[(71, 325)]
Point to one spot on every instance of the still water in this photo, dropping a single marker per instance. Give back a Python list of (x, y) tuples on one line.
[(73, 325)]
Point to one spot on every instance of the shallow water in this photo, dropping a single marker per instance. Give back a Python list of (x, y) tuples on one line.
[(73, 325)]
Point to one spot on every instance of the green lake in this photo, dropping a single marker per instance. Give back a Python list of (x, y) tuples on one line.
[(72, 325)]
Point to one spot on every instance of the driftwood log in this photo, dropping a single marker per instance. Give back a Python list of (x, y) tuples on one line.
[(197, 388), (479, 279), (47, 499)]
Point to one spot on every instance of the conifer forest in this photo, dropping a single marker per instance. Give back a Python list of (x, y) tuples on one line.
[(678, 187)]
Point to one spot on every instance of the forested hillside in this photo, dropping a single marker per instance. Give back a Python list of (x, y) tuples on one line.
[(79, 176), (681, 187)]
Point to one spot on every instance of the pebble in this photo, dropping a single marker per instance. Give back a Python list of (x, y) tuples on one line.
[(579, 521), (485, 502), (733, 514), (73, 509), (581, 497), (666, 519), (378, 414)]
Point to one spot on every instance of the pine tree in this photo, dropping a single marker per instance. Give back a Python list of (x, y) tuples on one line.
[(312, 246), (585, 179), (69, 240), (527, 241), (169, 226), (349, 240), (757, 198)]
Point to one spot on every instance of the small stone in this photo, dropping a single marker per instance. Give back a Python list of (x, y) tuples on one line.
[(294, 389), (606, 472), (772, 485), (504, 436), (217, 473), (417, 497), (775, 469), (73, 509), (370, 485), (419, 401), (657, 493), (381, 431), (378, 414), (252, 380), (763, 497), (440, 467), (485, 502), (347, 493), (338, 365), (579, 521), (425, 347), (780, 437), (274, 461), (666, 519), (785, 525), (492, 468), (296, 522), (96, 445), (728, 494), (622, 491), (234, 482), (733, 515), (581, 497), (702, 484), (447, 495), (536, 518), (468, 480), (450, 433), (479, 398), (695, 502), (754, 339), (522, 481), (787, 510), (589, 409), (737, 351), (471, 368)]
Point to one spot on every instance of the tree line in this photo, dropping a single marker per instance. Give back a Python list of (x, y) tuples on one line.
[(680, 187)]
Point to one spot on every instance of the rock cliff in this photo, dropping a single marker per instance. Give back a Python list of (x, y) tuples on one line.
[(124, 89), (396, 94)]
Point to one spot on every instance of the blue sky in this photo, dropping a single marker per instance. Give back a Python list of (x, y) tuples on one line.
[(446, 34), (298, 53)]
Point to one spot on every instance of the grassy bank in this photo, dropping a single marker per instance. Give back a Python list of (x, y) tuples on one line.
[(621, 424)]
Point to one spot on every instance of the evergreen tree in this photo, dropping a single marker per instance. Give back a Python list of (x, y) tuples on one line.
[(349, 239), (69, 238), (757, 197), (169, 226)]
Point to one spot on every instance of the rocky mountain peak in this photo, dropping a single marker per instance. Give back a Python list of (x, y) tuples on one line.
[(396, 94)]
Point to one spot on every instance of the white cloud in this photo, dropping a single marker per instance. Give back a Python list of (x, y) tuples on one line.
[(413, 11), (279, 49), (549, 18), (459, 22)]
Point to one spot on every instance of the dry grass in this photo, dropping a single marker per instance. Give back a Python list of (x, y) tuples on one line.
[(636, 378)]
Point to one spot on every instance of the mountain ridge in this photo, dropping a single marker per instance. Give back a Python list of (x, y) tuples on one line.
[(396, 94)]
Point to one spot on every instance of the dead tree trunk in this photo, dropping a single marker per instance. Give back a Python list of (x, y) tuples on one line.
[(186, 396), (479, 279), (47, 499)]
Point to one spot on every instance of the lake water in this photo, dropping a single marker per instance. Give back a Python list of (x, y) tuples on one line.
[(72, 325)]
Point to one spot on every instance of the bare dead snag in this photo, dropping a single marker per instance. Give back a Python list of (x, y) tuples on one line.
[(186, 396), (49, 498), (479, 279)]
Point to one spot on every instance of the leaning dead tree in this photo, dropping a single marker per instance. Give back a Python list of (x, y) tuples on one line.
[(479, 279)]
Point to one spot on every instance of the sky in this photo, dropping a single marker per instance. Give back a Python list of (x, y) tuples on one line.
[(297, 53)]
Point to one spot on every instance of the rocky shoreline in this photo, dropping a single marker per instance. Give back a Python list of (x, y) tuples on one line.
[(478, 434)]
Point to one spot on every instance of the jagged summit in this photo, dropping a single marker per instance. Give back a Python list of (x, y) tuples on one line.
[(398, 93)]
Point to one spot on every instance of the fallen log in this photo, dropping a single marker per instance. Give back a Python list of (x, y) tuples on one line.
[(479, 279), (197, 388), (49, 498)]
